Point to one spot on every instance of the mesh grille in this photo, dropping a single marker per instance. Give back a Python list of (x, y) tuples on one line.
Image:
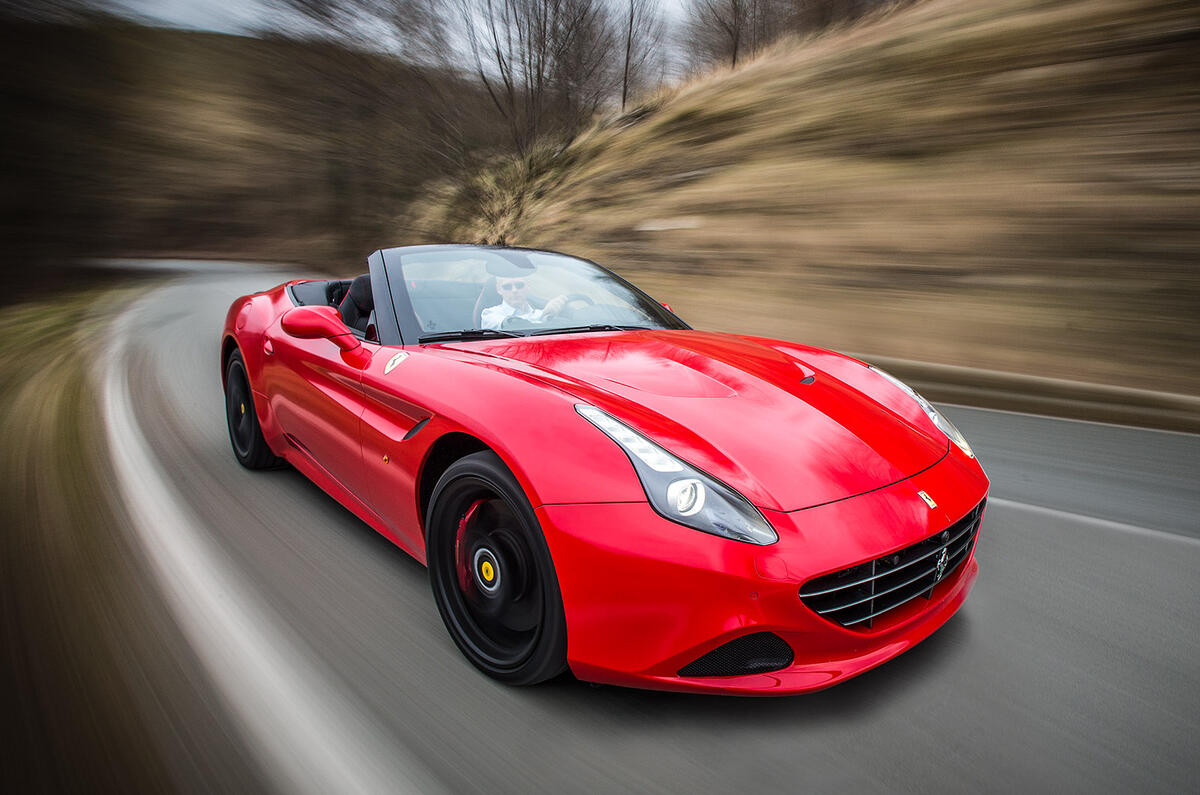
[(749, 654), (854, 597)]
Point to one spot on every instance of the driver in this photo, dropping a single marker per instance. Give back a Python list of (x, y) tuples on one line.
[(515, 303)]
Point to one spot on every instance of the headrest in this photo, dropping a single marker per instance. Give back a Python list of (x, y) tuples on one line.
[(360, 293)]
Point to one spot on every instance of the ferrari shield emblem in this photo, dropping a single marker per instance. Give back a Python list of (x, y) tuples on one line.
[(395, 360), (928, 500)]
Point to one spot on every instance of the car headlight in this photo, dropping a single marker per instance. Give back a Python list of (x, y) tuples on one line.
[(944, 424), (682, 493)]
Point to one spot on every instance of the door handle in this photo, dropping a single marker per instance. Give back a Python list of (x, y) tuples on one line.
[(268, 348)]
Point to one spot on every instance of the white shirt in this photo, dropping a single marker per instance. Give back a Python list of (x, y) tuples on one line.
[(494, 316)]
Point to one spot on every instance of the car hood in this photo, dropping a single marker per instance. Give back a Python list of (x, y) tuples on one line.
[(788, 426)]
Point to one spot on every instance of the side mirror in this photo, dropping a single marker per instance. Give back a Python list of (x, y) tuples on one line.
[(319, 322)]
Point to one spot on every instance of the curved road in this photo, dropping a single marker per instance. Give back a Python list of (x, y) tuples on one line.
[(1075, 664)]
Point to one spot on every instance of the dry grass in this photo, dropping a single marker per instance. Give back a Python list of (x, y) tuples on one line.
[(1011, 185)]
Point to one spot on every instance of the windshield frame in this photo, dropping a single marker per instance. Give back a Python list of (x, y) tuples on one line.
[(410, 327)]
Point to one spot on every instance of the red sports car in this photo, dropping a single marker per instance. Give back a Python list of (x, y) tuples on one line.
[(594, 485)]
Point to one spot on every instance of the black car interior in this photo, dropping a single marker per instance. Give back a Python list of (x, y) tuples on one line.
[(358, 304), (441, 305), (352, 298), (320, 293)]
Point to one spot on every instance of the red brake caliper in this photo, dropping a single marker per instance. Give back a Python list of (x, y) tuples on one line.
[(460, 553)]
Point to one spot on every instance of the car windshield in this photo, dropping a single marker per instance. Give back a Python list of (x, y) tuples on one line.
[(463, 291)]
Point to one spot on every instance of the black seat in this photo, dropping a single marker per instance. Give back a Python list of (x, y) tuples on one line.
[(356, 307)]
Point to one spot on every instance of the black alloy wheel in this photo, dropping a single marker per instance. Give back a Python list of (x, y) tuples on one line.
[(492, 575), (245, 435)]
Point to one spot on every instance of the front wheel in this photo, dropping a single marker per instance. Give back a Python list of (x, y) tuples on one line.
[(245, 435), (492, 576)]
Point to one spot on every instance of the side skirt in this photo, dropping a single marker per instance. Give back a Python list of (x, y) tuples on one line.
[(308, 467)]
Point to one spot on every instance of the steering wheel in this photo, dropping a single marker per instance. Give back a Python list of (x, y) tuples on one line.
[(514, 322), (567, 311)]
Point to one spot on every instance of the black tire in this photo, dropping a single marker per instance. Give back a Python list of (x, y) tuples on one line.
[(245, 435), (492, 576)]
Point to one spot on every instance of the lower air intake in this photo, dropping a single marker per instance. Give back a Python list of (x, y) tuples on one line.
[(759, 653)]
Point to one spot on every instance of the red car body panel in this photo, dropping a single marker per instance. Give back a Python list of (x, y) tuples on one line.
[(834, 464), (643, 606), (735, 408)]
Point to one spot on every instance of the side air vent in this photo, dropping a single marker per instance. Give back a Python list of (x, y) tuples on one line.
[(759, 653)]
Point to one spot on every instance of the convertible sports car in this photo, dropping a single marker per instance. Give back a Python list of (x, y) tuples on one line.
[(594, 485)]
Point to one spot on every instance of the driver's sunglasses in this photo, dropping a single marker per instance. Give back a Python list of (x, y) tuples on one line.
[(511, 286)]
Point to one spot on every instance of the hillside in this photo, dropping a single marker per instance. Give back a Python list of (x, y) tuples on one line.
[(124, 140), (1011, 185)]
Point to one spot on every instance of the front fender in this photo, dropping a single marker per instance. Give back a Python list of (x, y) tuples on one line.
[(245, 324), (555, 454)]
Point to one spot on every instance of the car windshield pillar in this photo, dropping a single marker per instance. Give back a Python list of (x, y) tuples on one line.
[(387, 324)]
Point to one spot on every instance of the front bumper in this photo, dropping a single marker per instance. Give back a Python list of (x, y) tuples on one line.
[(644, 597)]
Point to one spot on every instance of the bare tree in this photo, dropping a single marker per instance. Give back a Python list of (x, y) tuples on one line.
[(716, 28), (413, 29), (584, 74), (644, 29), (816, 15), (546, 64), (732, 29), (378, 116)]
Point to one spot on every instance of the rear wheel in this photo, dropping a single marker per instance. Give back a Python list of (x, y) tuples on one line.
[(492, 575), (245, 435)]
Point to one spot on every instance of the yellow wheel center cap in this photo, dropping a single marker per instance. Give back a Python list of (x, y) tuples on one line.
[(243, 408), (487, 571)]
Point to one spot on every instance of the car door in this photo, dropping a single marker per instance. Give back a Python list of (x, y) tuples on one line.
[(315, 393)]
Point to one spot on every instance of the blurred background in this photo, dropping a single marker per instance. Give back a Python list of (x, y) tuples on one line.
[(1000, 200), (1012, 185)]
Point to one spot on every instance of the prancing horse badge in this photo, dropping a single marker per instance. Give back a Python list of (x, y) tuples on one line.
[(395, 360), (928, 500)]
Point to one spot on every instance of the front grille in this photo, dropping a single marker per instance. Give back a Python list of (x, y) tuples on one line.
[(854, 597), (757, 653)]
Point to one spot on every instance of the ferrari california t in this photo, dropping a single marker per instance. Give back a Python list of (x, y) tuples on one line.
[(595, 486)]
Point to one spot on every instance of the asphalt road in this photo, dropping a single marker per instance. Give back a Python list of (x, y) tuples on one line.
[(1074, 666)]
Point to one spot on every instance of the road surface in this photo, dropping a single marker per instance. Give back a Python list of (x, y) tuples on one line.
[(1074, 666)]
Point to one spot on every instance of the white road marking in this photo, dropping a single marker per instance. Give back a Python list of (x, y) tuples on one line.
[(1160, 535), (309, 736)]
